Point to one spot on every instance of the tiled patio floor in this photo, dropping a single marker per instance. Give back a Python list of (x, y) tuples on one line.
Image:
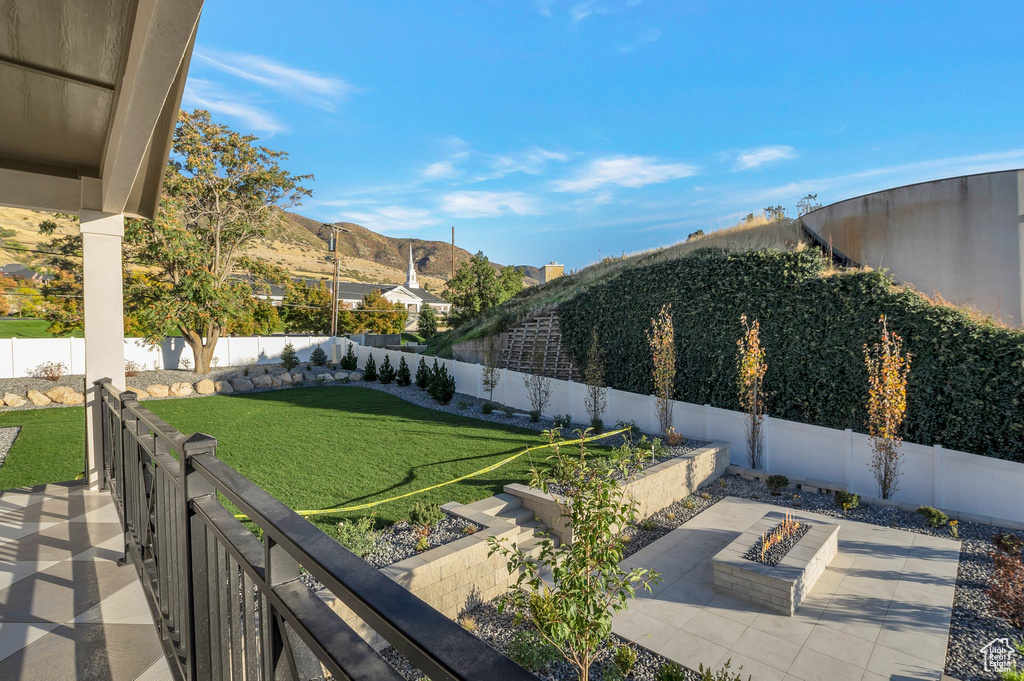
[(880, 611), (67, 610)]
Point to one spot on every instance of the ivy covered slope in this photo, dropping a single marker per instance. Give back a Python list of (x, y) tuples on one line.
[(966, 385)]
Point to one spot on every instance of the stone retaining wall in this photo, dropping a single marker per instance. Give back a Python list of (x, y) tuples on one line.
[(450, 578), (652, 489)]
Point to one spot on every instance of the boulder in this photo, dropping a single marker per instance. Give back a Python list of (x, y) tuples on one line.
[(12, 400), (38, 399), (286, 379), (74, 398), (205, 387), (140, 394), (181, 389), (242, 384), (223, 387), (263, 381), (158, 390), (59, 393), (355, 376), (341, 376), (298, 377), (275, 381)]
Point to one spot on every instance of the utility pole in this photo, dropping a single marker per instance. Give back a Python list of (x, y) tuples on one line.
[(332, 247), (453, 251)]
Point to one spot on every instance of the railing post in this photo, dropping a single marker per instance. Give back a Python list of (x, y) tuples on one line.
[(285, 656), (98, 391), (195, 638), (125, 404)]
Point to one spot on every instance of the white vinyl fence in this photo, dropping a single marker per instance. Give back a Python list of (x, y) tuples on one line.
[(20, 356), (972, 486)]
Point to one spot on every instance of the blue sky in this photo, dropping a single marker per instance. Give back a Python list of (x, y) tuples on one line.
[(567, 131)]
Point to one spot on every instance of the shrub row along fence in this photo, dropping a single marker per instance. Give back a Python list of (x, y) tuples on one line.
[(20, 356), (969, 485)]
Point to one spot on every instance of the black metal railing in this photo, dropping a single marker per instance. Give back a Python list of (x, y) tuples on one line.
[(229, 604)]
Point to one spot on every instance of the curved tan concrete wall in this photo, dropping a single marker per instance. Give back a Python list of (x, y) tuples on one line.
[(962, 238)]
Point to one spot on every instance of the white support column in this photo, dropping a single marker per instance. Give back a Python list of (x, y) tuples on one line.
[(104, 320)]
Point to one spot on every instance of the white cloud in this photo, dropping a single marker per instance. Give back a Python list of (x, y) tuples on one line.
[(305, 86), (544, 7), (650, 37), (205, 94), (531, 161), (488, 204), (440, 170), (625, 171), (582, 10), (392, 219), (755, 158)]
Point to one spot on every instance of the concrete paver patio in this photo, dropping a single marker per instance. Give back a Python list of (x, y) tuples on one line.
[(67, 610), (880, 611)]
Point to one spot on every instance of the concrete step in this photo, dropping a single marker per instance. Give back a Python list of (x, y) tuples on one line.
[(496, 505), (519, 516)]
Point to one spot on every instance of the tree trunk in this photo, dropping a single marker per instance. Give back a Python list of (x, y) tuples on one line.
[(202, 352)]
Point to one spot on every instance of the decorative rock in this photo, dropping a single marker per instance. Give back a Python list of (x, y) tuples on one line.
[(355, 376), (275, 381), (324, 378), (286, 378), (38, 399), (298, 377), (59, 393), (262, 381), (242, 384), (140, 394), (205, 387), (181, 389), (341, 376), (74, 398), (12, 400), (223, 387), (158, 390)]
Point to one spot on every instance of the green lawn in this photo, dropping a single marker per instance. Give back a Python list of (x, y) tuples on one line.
[(27, 328), (310, 447)]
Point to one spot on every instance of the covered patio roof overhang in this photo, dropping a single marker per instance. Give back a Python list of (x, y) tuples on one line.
[(90, 96)]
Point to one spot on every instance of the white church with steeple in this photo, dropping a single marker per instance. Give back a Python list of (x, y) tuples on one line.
[(409, 295)]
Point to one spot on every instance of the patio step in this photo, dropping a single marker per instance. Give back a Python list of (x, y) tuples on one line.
[(520, 516), (496, 505)]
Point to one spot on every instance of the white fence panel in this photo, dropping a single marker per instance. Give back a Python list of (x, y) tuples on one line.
[(515, 394), (980, 485), (731, 427), (6, 357), (631, 407), (805, 451), (467, 379), (688, 419), (561, 402)]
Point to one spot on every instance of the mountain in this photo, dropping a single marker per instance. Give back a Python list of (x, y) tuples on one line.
[(298, 244)]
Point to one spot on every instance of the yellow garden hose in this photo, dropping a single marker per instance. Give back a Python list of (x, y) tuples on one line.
[(488, 469)]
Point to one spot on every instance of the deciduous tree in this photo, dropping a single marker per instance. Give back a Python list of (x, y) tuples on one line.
[(476, 288), (376, 314), (888, 367), (222, 191)]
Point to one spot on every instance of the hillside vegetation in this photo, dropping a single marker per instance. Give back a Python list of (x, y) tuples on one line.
[(966, 386)]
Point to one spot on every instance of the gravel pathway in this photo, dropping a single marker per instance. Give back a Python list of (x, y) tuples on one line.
[(7, 438)]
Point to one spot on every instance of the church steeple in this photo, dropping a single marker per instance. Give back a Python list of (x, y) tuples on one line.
[(410, 277)]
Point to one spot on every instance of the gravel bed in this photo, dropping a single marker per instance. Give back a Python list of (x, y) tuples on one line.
[(775, 553), (398, 541), (7, 438)]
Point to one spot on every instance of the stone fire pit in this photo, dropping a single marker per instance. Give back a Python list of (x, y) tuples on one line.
[(781, 587)]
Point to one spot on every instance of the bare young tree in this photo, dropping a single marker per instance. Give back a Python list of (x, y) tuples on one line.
[(596, 399), (538, 386), (662, 340), (491, 375), (888, 367), (751, 367)]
